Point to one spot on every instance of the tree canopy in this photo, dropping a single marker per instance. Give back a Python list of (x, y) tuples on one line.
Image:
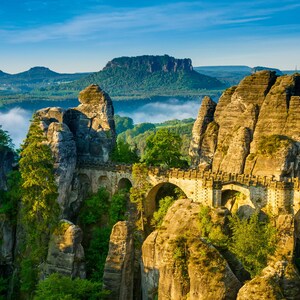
[(5, 140), (40, 211), (163, 149)]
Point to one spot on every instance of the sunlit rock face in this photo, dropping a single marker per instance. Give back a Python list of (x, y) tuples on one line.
[(178, 264), (65, 252), (78, 136), (254, 128)]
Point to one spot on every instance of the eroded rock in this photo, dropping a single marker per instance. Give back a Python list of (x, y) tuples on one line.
[(256, 128), (119, 266), (65, 252), (177, 262)]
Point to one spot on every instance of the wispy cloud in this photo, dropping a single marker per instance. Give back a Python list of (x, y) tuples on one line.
[(107, 22)]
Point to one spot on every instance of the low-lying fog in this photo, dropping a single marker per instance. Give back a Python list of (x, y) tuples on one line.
[(15, 119)]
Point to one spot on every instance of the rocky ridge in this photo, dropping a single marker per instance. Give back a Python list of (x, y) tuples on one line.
[(254, 129)]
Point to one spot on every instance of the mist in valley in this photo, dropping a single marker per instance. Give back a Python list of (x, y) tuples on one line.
[(16, 119)]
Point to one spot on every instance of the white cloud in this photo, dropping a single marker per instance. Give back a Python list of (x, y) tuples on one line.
[(107, 22), (16, 122)]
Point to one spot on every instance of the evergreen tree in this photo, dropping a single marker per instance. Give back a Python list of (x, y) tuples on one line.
[(138, 192), (122, 153), (5, 140), (252, 242), (40, 211)]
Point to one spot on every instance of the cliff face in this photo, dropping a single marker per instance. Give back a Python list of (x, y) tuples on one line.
[(151, 63), (81, 135), (256, 128), (177, 262)]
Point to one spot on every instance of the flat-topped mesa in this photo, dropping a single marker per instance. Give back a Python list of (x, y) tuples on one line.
[(256, 128), (151, 63)]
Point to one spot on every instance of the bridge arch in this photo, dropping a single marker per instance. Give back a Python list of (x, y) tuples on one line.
[(237, 199), (158, 192), (124, 183), (103, 181), (85, 184)]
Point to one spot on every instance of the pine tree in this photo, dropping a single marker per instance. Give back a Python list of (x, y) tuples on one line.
[(138, 192), (40, 211)]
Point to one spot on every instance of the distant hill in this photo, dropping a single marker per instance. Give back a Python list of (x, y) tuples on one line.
[(148, 76), (38, 75), (32, 84), (231, 75)]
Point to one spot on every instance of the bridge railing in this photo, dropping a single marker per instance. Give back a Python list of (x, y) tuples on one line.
[(197, 174)]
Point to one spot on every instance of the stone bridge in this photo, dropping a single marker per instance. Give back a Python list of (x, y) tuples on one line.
[(205, 187)]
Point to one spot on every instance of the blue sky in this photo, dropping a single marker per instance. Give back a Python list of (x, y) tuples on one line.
[(82, 35)]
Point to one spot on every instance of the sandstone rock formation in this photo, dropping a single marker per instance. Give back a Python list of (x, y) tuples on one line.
[(255, 128), (65, 252), (81, 135), (177, 262), (119, 267), (198, 151)]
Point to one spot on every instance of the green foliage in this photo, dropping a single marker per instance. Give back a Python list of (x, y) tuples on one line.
[(163, 149), (129, 134), (5, 140), (137, 136), (97, 217), (40, 211), (138, 192), (181, 257), (39, 190), (159, 215), (210, 230), (269, 145), (29, 274), (122, 153), (96, 253), (9, 199), (118, 207), (59, 287), (95, 207), (123, 123), (3, 287), (252, 242)]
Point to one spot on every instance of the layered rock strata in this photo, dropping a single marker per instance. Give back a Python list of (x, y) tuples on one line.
[(65, 252), (78, 136), (254, 129), (118, 275), (176, 264)]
